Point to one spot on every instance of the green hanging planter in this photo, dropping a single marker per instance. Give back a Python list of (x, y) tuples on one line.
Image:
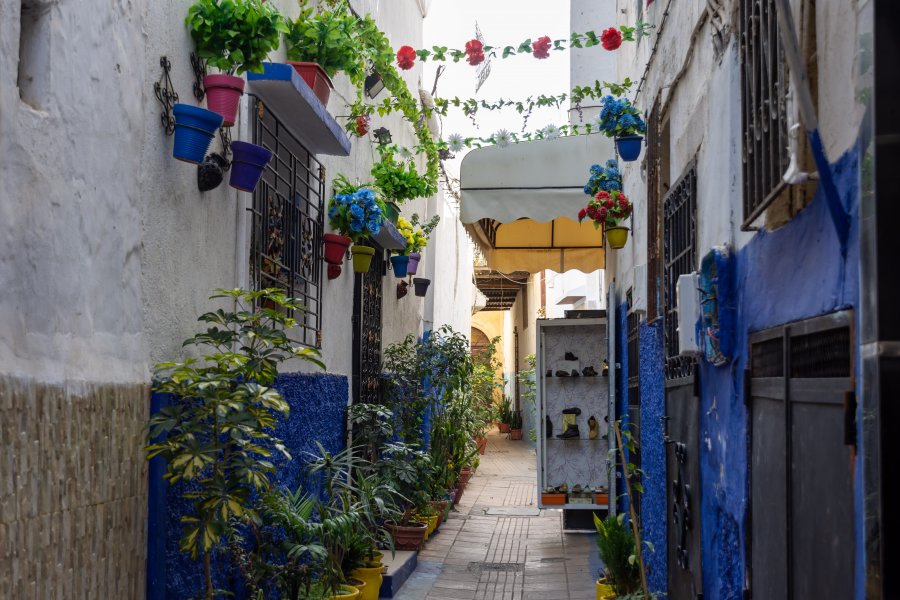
[(362, 258)]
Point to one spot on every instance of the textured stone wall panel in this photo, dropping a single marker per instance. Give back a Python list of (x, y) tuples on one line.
[(72, 490)]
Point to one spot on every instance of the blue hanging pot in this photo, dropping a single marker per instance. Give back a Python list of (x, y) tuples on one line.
[(194, 130), (400, 263), (629, 147), (247, 164)]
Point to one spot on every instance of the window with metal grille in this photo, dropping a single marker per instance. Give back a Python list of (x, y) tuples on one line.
[(764, 99), (680, 257), (287, 223), (367, 321)]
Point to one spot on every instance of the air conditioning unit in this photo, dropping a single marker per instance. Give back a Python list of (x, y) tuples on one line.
[(687, 294), (639, 290)]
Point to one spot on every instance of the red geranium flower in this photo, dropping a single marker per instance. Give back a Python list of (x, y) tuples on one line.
[(362, 125), (474, 52), (581, 214), (541, 47), (406, 57), (602, 212), (611, 38)]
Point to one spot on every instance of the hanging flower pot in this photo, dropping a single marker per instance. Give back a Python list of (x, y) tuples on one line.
[(194, 130), (392, 212), (336, 248), (223, 95), (629, 147), (414, 259), (617, 236), (316, 78), (247, 164), (362, 258), (400, 264), (421, 285)]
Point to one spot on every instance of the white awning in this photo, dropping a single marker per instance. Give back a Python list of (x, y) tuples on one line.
[(523, 201)]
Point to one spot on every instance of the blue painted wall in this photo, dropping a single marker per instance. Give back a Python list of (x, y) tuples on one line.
[(795, 272), (318, 406), (653, 452)]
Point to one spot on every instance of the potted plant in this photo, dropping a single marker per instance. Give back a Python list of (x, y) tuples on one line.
[(620, 120), (407, 261), (219, 403), (322, 43), (398, 180), (605, 178), (233, 36), (609, 209), (504, 414), (403, 467), (617, 551), (194, 130), (515, 425), (355, 213)]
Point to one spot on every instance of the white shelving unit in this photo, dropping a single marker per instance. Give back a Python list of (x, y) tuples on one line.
[(579, 460)]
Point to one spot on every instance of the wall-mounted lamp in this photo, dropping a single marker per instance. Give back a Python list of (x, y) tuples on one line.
[(383, 136), (374, 84)]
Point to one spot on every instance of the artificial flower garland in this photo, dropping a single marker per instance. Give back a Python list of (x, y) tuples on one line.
[(475, 51)]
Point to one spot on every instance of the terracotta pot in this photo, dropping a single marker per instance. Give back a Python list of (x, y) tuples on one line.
[(504, 427), (316, 78), (407, 537), (515, 434), (223, 94), (335, 248), (553, 498), (482, 445), (441, 507)]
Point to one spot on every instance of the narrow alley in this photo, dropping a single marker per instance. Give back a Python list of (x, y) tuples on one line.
[(497, 545)]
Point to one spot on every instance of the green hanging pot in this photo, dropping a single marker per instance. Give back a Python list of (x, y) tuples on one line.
[(362, 258), (616, 236)]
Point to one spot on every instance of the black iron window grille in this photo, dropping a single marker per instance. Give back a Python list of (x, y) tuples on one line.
[(287, 223), (680, 251), (764, 98), (367, 322)]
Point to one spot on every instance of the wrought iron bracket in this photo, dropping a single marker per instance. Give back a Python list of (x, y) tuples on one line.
[(165, 93), (225, 137), (198, 65)]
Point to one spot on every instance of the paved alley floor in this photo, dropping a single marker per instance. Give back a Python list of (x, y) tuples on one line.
[(490, 550)]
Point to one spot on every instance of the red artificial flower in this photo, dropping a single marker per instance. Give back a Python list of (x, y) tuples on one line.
[(611, 38), (541, 47), (602, 213), (474, 52), (362, 125), (602, 195), (406, 57), (581, 214)]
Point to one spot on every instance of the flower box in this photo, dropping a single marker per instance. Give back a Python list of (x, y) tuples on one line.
[(555, 498)]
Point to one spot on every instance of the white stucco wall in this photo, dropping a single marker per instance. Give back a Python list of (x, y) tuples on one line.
[(107, 250)]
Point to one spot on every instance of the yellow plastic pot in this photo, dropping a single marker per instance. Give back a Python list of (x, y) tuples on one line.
[(425, 521), (616, 236), (372, 576), (432, 523), (362, 258), (347, 593), (604, 591), (377, 558)]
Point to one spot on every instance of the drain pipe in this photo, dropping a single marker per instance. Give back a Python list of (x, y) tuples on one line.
[(788, 34)]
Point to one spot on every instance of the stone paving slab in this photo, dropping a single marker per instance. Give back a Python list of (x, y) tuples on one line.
[(497, 545)]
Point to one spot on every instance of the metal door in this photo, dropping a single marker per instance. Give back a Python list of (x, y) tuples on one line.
[(801, 491), (683, 490), (367, 300)]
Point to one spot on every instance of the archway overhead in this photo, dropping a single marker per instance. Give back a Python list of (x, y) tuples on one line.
[(520, 204)]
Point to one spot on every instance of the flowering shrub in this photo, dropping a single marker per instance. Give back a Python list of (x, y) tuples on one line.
[(406, 57), (541, 48), (416, 237), (474, 52), (620, 118), (354, 211), (362, 125), (606, 179), (610, 208), (611, 38)]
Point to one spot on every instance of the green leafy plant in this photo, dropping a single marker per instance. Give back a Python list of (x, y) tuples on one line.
[(327, 36), (406, 469), (399, 181), (617, 551), (235, 35), (216, 434), (515, 420), (355, 211), (504, 411)]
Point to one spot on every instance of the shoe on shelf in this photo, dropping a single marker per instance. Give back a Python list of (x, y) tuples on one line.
[(548, 426), (593, 430), (605, 368), (572, 411), (589, 371), (561, 373), (570, 433), (577, 489), (575, 373), (563, 489), (549, 372), (570, 356)]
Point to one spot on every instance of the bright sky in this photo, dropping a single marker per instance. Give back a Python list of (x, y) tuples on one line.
[(451, 23)]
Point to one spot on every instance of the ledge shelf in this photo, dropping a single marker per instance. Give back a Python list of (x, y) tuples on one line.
[(282, 89), (389, 237)]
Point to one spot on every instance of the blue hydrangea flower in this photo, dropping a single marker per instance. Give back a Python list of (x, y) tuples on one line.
[(356, 225), (332, 212), (612, 164), (357, 211)]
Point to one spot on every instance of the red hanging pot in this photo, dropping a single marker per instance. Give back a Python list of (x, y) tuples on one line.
[(316, 78), (336, 248), (223, 94)]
